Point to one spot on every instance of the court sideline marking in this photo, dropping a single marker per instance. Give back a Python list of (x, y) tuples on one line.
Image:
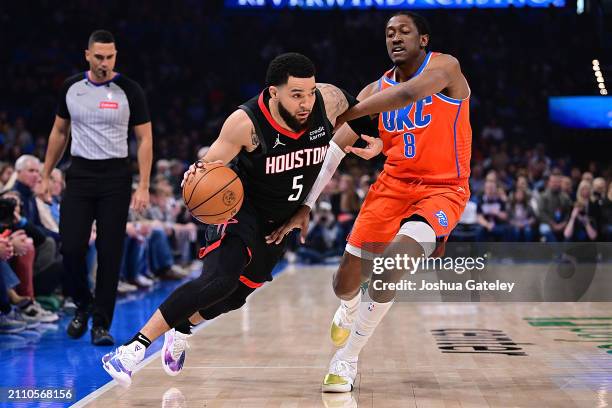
[(111, 384)]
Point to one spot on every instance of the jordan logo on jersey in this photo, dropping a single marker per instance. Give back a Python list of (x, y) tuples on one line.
[(278, 142), (403, 119), (295, 160)]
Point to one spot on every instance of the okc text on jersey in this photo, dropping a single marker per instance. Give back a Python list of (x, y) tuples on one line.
[(404, 119)]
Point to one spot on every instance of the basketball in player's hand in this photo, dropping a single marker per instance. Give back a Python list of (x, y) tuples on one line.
[(213, 194)]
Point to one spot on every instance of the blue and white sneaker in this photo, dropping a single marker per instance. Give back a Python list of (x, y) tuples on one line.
[(173, 351), (19, 316), (9, 326), (120, 364)]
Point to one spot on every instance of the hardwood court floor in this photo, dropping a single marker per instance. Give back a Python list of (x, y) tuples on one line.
[(274, 353)]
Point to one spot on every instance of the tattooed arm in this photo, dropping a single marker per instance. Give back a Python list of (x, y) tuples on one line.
[(336, 103), (254, 140), (334, 99)]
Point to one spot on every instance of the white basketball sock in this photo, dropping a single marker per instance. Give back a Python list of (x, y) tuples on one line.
[(370, 315), (350, 306)]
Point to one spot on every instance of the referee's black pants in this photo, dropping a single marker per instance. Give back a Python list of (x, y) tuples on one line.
[(97, 190)]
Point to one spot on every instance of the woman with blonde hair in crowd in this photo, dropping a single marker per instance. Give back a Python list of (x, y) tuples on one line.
[(598, 192), (585, 217)]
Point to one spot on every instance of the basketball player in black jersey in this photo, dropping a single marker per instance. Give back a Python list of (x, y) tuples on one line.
[(279, 139)]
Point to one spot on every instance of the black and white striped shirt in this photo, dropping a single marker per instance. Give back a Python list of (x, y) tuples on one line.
[(101, 115)]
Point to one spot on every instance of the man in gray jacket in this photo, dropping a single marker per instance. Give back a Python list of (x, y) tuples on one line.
[(554, 209)]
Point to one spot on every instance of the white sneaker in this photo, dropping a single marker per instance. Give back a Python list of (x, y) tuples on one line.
[(48, 316), (173, 351), (124, 287), (142, 281), (341, 325), (120, 364), (341, 375), (35, 312), (179, 270)]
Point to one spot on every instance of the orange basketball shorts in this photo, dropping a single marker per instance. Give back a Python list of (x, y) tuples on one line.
[(391, 200)]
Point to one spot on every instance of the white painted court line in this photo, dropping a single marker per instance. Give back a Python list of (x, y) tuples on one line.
[(111, 384), (252, 367)]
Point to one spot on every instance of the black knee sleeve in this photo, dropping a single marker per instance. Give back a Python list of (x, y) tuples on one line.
[(220, 276), (234, 301)]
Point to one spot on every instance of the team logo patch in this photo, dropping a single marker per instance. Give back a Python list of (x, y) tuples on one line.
[(229, 198), (442, 218), (109, 105)]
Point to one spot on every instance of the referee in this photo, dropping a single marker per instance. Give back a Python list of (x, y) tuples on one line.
[(97, 108)]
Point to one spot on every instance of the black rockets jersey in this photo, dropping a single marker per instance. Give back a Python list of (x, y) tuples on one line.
[(278, 175)]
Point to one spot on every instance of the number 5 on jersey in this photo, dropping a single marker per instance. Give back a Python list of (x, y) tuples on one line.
[(409, 145), (296, 186)]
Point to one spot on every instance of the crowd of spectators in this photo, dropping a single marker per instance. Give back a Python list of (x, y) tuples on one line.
[(159, 244), (197, 62)]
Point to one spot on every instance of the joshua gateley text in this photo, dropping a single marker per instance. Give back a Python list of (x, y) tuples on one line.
[(423, 285)]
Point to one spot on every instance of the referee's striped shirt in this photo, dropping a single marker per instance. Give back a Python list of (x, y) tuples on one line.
[(101, 115)]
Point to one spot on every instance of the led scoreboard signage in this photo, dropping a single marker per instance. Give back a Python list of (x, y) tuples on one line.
[(389, 4)]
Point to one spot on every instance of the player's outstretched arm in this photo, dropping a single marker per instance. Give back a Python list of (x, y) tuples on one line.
[(441, 73), (341, 144), (346, 136), (237, 133)]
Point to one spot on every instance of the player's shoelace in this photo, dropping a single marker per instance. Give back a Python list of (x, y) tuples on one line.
[(126, 357), (179, 345), (342, 368)]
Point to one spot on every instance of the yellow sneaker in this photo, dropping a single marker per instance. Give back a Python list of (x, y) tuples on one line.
[(341, 375)]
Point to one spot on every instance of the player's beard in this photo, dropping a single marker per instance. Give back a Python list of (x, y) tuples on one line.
[(291, 120)]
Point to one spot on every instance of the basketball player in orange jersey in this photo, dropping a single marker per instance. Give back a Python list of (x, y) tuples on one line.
[(278, 139), (419, 196)]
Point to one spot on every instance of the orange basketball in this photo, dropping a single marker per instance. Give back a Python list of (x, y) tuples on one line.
[(213, 195)]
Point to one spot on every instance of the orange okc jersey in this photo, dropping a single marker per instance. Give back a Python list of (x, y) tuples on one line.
[(429, 140)]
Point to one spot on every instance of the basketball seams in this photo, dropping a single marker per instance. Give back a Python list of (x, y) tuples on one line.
[(198, 182), (239, 201), (214, 194)]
